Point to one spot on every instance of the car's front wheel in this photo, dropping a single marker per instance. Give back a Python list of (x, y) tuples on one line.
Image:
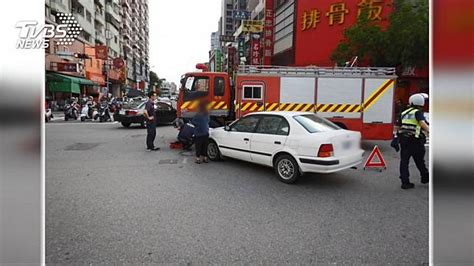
[(286, 169), (213, 151)]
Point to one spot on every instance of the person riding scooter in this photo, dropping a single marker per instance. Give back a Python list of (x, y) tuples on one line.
[(104, 110), (71, 110), (88, 111)]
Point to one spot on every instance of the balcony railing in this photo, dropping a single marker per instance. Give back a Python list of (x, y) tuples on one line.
[(57, 6)]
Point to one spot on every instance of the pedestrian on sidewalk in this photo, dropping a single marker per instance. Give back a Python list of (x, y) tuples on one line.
[(150, 118), (201, 132)]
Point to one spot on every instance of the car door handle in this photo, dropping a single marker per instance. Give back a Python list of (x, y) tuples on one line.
[(246, 139), (277, 142)]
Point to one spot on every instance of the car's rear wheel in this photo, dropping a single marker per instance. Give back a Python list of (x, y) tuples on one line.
[(286, 169), (213, 151), (126, 124)]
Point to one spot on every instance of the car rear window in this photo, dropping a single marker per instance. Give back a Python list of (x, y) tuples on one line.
[(313, 123), (133, 105)]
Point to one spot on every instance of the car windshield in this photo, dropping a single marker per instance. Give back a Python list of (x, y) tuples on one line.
[(133, 105), (313, 123)]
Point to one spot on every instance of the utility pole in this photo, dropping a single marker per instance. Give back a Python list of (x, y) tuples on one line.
[(108, 36)]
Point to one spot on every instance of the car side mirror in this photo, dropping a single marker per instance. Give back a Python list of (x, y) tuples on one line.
[(227, 128)]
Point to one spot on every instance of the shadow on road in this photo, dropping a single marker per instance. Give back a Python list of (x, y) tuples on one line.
[(308, 180)]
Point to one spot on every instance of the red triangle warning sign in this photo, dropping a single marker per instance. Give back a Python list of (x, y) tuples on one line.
[(371, 163)]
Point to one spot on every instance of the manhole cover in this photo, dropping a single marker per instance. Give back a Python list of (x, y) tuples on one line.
[(81, 146), (168, 161), (138, 136)]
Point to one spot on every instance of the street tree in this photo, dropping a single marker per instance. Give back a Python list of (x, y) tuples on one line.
[(404, 43), (155, 80)]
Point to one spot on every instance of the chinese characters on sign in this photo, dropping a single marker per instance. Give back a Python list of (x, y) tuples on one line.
[(241, 47), (226, 38), (337, 12), (374, 9), (255, 50), (241, 14), (118, 62), (218, 61), (67, 67), (310, 19), (231, 52), (268, 33), (101, 52), (252, 26)]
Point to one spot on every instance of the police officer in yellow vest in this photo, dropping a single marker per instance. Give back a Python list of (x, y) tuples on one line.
[(412, 140)]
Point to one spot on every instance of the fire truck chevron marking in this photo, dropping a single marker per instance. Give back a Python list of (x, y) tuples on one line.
[(272, 106), (184, 105), (245, 106), (379, 92), (210, 105), (191, 105), (307, 107), (219, 105), (338, 108), (300, 107)]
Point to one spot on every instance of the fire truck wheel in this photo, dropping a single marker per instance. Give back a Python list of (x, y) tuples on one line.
[(213, 151), (286, 169)]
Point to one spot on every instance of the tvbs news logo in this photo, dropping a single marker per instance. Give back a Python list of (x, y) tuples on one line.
[(35, 36)]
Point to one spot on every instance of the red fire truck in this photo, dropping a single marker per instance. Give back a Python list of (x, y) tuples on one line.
[(359, 99)]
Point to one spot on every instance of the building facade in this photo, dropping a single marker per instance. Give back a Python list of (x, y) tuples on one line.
[(227, 23), (215, 43), (135, 30), (305, 33), (121, 26)]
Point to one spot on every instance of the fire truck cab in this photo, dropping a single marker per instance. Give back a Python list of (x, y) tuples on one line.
[(211, 87)]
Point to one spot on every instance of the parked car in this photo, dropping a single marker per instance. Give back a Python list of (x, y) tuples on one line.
[(132, 113), (293, 143)]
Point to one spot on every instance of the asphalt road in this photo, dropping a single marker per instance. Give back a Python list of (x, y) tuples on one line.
[(109, 201)]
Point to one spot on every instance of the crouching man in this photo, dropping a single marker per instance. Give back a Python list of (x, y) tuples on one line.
[(185, 136)]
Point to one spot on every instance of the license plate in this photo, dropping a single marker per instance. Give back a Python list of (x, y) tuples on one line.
[(122, 112)]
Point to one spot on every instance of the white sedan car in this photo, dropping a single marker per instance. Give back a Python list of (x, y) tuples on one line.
[(292, 143)]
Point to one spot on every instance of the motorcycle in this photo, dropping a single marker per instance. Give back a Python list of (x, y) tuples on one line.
[(71, 111), (104, 112), (89, 112)]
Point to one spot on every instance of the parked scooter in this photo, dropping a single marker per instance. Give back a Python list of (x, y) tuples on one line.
[(71, 111), (88, 112)]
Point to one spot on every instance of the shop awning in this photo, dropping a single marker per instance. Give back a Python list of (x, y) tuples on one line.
[(63, 83)]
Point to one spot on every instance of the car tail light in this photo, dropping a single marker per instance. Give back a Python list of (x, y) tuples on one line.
[(325, 150), (132, 112)]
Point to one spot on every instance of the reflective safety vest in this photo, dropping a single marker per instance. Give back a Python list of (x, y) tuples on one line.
[(410, 126)]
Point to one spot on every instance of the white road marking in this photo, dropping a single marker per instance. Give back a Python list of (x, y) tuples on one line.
[(84, 123)]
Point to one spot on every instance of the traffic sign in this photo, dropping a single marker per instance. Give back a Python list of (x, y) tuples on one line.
[(370, 163), (241, 14)]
